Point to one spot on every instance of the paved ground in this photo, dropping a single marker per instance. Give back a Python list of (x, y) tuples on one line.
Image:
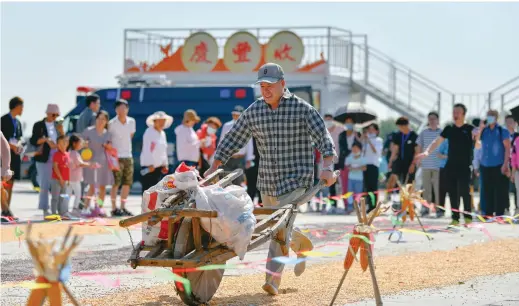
[(501, 290), (109, 253)]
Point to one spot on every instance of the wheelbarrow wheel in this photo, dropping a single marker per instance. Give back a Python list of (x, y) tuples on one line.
[(203, 283)]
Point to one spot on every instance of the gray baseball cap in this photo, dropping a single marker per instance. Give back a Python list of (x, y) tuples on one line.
[(270, 73)]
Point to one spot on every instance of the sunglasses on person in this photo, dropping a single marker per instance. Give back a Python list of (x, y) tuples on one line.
[(54, 115)]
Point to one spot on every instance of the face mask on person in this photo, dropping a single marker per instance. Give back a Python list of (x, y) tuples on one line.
[(349, 126), (328, 123), (491, 119), (211, 130), (372, 135)]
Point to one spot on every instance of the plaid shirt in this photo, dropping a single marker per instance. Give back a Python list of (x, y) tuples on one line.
[(285, 138)]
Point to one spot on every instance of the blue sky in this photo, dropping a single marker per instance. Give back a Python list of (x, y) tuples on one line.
[(48, 49)]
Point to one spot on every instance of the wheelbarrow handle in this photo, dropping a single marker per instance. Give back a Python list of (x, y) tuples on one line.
[(310, 193)]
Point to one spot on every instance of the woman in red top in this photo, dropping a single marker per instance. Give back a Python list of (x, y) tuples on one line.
[(60, 179), (207, 136)]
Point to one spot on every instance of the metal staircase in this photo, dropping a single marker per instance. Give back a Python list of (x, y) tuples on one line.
[(395, 85), (407, 92), (505, 96)]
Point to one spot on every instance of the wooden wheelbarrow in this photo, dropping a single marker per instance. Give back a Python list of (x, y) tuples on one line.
[(189, 246)]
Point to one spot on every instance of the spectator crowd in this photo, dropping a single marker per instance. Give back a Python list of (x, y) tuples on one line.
[(99, 154)]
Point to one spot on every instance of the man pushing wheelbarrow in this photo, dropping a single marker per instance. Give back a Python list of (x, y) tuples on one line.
[(286, 129)]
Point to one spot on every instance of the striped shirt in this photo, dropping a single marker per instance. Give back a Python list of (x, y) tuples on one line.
[(425, 138), (285, 138)]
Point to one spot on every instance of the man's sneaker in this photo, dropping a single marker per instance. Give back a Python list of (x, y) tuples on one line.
[(455, 223), (46, 213), (6, 217), (8, 213), (270, 289), (125, 212), (116, 213), (468, 221)]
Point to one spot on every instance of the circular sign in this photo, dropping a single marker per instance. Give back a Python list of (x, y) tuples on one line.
[(200, 52), (242, 52), (286, 49), (86, 154)]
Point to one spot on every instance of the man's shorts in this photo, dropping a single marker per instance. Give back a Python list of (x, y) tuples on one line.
[(125, 174), (401, 170)]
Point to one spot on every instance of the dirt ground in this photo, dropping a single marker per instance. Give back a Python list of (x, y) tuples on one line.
[(59, 229), (317, 285)]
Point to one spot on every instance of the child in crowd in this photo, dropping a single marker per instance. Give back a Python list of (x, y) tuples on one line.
[(76, 171), (60, 179), (356, 166)]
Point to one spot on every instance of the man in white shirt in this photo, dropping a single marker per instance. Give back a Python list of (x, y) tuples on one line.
[(188, 144), (122, 128), (372, 147), (243, 159)]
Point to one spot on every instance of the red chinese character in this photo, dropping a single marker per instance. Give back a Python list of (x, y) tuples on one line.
[(200, 54), (241, 50), (283, 53)]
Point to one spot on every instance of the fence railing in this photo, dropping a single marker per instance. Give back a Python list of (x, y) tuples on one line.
[(405, 86), (347, 54)]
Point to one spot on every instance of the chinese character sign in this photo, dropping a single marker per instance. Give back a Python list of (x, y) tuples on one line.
[(286, 49), (200, 52), (242, 52)]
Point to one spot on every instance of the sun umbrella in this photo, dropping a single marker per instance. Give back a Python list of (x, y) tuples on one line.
[(357, 111)]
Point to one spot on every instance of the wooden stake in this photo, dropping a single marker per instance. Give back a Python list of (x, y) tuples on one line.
[(70, 296), (371, 266), (357, 211), (363, 210), (339, 287)]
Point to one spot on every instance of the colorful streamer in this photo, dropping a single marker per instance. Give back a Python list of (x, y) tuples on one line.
[(27, 284), (168, 275), (289, 261)]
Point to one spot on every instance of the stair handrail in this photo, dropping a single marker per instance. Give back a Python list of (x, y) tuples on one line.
[(424, 80), (499, 97)]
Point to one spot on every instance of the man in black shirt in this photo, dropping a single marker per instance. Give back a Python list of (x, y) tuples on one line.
[(12, 130), (403, 150), (461, 148)]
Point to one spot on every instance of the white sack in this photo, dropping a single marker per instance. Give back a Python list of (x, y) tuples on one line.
[(235, 223)]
